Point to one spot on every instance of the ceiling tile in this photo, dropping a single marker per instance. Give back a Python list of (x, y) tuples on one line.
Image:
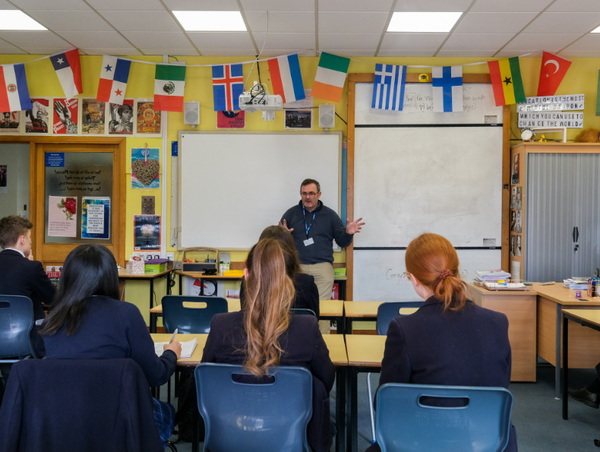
[(353, 52), (246, 52), (204, 5), (110, 50), (66, 5), (171, 50), (565, 22), (163, 41), (296, 41), (282, 21), (283, 51), (211, 40), (575, 5), (148, 21), (356, 5), (413, 42), (127, 5), (6, 47), (96, 39), (433, 5), (278, 5), (493, 22), (349, 41), (34, 39), (355, 22), (510, 5), (466, 53), (543, 41), (71, 20), (592, 53), (587, 42), (4, 5), (406, 53), (474, 41)]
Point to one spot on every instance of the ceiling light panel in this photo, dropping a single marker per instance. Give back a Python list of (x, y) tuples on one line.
[(210, 20), (18, 20), (423, 22)]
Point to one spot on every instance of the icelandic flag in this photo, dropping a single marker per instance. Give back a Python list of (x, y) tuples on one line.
[(228, 84), (447, 85), (286, 78), (113, 80), (68, 70), (388, 88), (14, 94)]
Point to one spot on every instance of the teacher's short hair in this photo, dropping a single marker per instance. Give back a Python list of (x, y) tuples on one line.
[(306, 182)]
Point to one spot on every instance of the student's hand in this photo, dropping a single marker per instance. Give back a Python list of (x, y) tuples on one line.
[(284, 225), (353, 227), (175, 347), (30, 257)]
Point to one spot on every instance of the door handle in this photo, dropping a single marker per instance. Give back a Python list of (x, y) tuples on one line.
[(575, 234)]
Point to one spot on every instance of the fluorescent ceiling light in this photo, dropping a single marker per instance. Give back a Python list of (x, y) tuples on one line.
[(17, 20), (595, 30), (210, 20), (423, 22)]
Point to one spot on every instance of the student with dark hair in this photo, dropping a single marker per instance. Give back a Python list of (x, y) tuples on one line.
[(88, 321), (265, 335), (449, 340), (307, 294)]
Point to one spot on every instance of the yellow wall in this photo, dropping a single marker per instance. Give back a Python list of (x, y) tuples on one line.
[(581, 79)]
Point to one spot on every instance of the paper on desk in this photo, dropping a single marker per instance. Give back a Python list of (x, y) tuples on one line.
[(187, 348)]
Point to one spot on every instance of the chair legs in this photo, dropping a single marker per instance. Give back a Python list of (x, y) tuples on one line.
[(171, 446), (369, 392)]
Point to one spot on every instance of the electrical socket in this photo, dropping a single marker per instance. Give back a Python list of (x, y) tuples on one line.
[(148, 205), (170, 256)]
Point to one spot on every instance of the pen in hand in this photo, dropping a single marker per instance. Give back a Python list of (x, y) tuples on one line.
[(174, 334)]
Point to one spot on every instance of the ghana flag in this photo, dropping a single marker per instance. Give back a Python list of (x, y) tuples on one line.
[(506, 81)]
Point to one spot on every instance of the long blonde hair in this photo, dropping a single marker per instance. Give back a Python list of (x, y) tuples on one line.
[(269, 296), (433, 261)]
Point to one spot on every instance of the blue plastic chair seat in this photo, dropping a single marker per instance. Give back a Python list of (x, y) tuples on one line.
[(191, 320), (16, 322)]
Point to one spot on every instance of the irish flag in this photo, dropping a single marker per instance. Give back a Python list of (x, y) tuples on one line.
[(331, 76), (286, 78), (506, 81), (169, 83)]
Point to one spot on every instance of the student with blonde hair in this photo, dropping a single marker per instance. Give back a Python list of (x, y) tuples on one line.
[(449, 340), (264, 334)]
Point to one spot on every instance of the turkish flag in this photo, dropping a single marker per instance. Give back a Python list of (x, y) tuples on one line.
[(552, 73)]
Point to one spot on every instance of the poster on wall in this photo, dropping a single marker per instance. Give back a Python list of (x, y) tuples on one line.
[(93, 117), (148, 120), (231, 119), (121, 118), (38, 118), (95, 217), (3, 179), (298, 114), (146, 232), (62, 216), (65, 116), (145, 168), (10, 122), (515, 170)]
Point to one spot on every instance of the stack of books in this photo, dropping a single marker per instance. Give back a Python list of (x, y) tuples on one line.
[(490, 276), (576, 283)]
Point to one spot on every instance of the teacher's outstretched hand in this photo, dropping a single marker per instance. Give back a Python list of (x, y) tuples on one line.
[(354, 226), (284, 225)]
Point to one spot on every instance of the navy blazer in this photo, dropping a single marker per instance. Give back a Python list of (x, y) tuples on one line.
[(303, 346), (307, 293), (469, 347)]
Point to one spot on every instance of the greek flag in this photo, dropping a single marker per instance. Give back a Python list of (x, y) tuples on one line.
[(388, 88)]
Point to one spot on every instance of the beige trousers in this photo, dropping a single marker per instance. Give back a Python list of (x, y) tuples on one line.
[(323, 274)]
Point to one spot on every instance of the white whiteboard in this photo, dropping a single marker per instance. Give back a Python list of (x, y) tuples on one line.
[(233, 185), (442, 180), (378, 273)]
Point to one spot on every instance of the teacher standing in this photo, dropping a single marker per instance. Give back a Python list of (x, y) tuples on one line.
[(314, 226)]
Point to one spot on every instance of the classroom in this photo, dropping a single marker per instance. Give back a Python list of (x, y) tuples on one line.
[(206, 140)]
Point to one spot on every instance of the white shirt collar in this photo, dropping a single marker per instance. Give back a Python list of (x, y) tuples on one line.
[(18, 251)]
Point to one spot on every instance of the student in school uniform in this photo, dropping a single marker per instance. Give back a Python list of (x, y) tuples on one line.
[(260, 341), (449, 340), (307, 294)]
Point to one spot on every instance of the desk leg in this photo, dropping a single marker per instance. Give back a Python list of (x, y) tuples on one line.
[(340, 409), (340, 325), (153, 317), (348, 325), (557, 345), (180, 284), (151, 292), (351, 413), (565, 369)]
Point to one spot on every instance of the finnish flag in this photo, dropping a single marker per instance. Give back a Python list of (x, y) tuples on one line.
[(447, 85)]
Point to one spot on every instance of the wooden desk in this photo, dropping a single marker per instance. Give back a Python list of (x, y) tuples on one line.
[(365, 353), (584, 347), (196, 356), (520, 307), (124, 276)]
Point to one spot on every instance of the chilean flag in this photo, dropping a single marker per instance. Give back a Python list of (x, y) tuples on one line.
[(68, 70), (14, 94), (286, 77), (113, 80)]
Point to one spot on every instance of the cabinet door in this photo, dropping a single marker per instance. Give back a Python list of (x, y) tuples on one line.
[(552, 187)]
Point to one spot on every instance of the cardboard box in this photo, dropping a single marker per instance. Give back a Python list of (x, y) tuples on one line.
[(155, 265)]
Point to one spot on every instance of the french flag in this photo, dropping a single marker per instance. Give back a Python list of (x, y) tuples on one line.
[(68, 70), (14, 94), (286, 77), (113, 80)]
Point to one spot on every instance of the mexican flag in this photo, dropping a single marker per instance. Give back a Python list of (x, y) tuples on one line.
[(169, 83), (331, 76)]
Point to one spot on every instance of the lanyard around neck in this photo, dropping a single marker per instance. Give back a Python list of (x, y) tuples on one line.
[(306, 227)]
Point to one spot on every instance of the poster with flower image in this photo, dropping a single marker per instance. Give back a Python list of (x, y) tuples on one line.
[(62, 216)]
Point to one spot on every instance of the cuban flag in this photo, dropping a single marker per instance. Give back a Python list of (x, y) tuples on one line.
[(68, 70), (228, 84), (286, 78), (447, 85), (14, 94), (113, 80), (388, 87)]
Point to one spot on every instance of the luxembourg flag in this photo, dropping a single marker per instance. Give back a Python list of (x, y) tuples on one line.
[(14, 94), (113, 80), (286, 77), (68, 70)]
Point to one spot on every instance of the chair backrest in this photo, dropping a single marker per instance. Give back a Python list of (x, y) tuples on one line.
[(406, 422), (191, 320), (254, 417), (16, 321), (386, 312), (303, 311)]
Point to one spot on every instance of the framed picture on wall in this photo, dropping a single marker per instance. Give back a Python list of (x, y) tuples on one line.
[(93, 117), (121, 118), (37, 119), (148, 120), (10, 123), (65, 116)]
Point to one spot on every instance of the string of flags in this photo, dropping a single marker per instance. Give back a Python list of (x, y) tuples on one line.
[(286, 78)]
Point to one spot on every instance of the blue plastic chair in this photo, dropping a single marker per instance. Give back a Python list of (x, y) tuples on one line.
[(191, 320), (16, 322), (386, 312), (406, 424), (253, 417)]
